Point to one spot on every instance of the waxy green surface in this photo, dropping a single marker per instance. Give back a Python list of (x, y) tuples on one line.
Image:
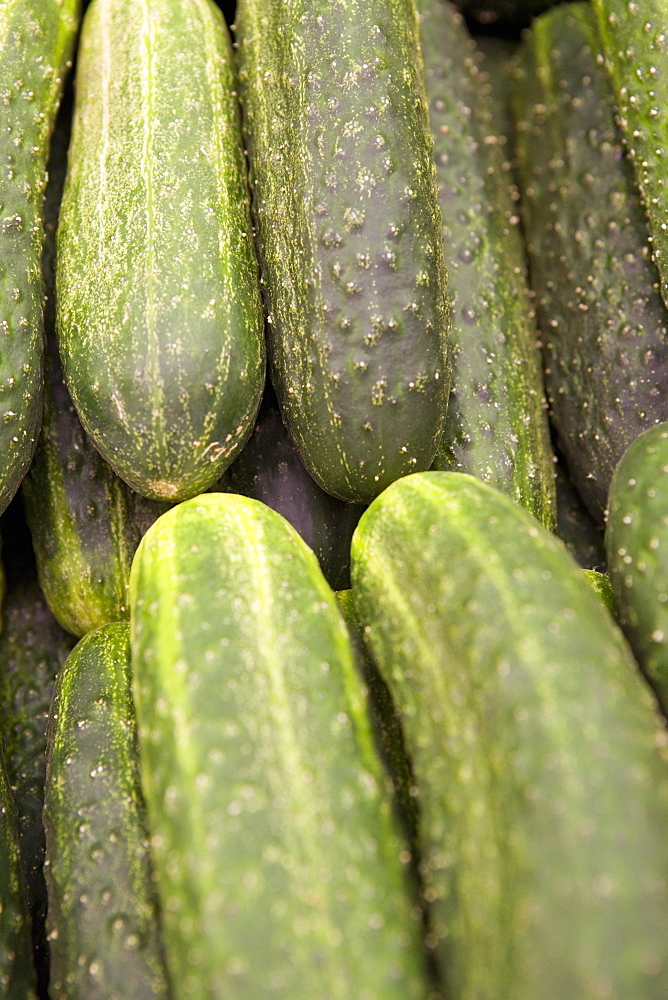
[(349, 234), (634, 48), (636, 540), (279, 867), (36, 44), (102, 919), (159, 311), (538, 754), (602, 319), (496, 426)]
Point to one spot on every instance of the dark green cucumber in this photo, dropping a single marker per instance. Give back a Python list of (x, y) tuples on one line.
[(17, 970), (636, 539), (84, 521), (159, 310), (36, 43), (102, 920), (542, 791), (278, 862), (634, 46), (32, 650), (496, 426), (349, 234), (270, 469), (603, 321)]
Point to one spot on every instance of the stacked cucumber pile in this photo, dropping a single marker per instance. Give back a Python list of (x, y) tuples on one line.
[(334, 495)]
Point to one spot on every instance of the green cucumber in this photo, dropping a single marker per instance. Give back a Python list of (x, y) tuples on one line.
[(636, 539), (535, 745), (102, 919), (634, 47), (36, 44), (270, 469), (17, 971), (159, 310), (349, 234), (32, 650), (602, 585), (84, 521), (603, 322), (279, 865), (496, 426)]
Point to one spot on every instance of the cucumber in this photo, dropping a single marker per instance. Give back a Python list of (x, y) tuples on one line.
[(159, 310), (279, 865), (542, 791), (17, 971), (603, 321), (103, 922), (32, 650), (634, 47), (636, 540), (496, 425), (85, 522), (270, 469), (36, 44), (348, 233)]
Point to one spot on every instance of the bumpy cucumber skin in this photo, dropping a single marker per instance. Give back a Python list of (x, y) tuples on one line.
[(533, 741), (601, 584), (496, 426), (634, 45), (270, 469), (602, 319), (636, 541), (36, 43), (159, 309), (279, 868), (102, 919), (17, 971), (32, 649), (85, 522), (349, 234)]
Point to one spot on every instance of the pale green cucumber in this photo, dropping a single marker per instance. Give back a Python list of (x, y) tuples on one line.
[(159, 311), (349, 234), (536, 747), (36, 44), (17, 971), (102, 919), (279, 866), (496, 426)]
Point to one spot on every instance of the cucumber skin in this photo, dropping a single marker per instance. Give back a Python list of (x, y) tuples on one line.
[(349, 234), (269, 469), (17, 971), (84, 522), (634, 46), (265, 888), (159, 309), (36, 44), (102, 919), (635, 540), (33, 647), (603, 322), (512, 681), (496, 425)]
